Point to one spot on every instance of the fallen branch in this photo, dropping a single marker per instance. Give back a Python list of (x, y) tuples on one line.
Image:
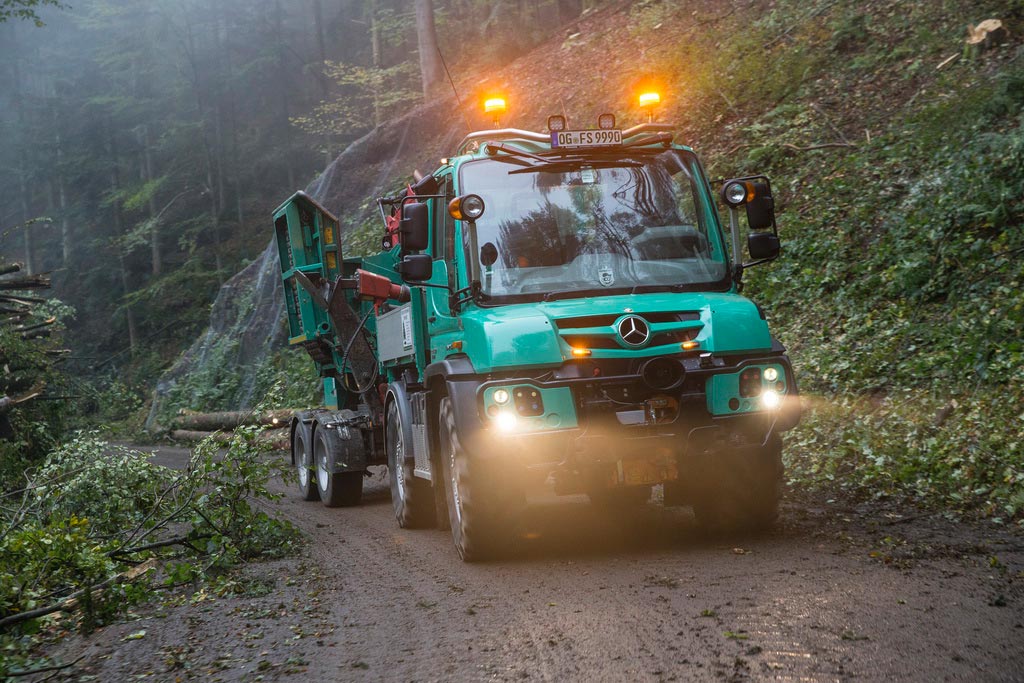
[(823, 145), (278, 438), (71, 602), (179, 540), (44, 669)]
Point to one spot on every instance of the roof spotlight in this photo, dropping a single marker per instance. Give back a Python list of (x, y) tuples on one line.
[(606, 121), (556, 123), (649, 98)]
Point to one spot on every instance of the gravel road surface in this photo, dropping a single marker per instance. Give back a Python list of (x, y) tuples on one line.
[(834, 594)]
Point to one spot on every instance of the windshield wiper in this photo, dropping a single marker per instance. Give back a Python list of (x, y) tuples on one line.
[(648, 289), (574, 293), (569, 163)]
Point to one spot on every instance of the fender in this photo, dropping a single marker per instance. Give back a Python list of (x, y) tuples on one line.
[(461, 382), (346, 450), (396, 392)]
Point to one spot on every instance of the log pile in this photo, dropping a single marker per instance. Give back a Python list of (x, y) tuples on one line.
[(20, 385), (191, 426)]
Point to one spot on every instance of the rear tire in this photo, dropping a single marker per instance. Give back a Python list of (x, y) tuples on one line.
[(412, 498), (302, 457), (341, 489), (741, 491), (481, 504)]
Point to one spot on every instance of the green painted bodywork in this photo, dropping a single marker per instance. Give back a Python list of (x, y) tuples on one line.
[(722, 388), (513, 337), (527, 336), (559, 409)]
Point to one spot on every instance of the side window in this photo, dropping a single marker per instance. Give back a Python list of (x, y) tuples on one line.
[(444, 224)]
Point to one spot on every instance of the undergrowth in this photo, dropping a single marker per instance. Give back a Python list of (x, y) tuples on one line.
[(898, 291), (72, 532)]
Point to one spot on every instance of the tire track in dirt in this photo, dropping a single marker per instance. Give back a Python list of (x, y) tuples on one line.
[(598, 596)]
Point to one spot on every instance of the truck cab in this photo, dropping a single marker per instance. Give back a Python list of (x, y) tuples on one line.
[(555, 309)]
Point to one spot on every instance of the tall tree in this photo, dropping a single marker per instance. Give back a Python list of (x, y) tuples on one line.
[(431, 69)]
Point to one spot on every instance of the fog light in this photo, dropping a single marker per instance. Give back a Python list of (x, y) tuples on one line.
[(606, 121), (771, 374), (505, 422), (770, 399), (501, 396)]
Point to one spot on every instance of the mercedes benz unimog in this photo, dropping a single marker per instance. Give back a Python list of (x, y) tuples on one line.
[(556, 309)]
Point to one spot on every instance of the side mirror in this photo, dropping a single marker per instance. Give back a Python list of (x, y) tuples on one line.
[(755, 193), (762, 245), (761, 209), (414, 227), (416, 267)]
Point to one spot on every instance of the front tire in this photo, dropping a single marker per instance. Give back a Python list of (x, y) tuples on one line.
[(341, 489), (302, 457), (481, 504), (411, 497)]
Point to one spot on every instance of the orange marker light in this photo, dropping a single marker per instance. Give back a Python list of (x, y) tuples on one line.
[(649, 99), (580, 353), (690, 345), (494, 105)]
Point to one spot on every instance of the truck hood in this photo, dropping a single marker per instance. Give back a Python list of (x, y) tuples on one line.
[(543, 334)]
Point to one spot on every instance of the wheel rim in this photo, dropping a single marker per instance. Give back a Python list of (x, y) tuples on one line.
[(300, 462), (322, 475), (398, 445), (454, 484)]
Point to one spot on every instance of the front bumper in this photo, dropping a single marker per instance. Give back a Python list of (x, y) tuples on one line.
[(598, 418)]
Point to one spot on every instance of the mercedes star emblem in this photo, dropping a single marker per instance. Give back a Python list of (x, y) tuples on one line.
[(634, 330)]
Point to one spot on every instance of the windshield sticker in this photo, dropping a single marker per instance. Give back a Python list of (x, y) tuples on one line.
[(587, 175), (606, 277)]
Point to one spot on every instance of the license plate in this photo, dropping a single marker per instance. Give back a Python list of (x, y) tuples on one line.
[(570, 139)]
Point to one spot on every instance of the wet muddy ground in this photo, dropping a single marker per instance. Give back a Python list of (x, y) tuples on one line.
[(833, 594)]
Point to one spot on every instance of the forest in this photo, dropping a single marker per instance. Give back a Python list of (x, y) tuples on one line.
[(148, 143)]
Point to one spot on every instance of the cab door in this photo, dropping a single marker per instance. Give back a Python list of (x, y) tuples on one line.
[(440, 322)]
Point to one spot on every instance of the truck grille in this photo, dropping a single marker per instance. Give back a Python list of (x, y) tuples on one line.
[(598, 331)]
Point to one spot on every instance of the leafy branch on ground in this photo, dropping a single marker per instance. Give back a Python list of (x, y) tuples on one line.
[(72, 531)]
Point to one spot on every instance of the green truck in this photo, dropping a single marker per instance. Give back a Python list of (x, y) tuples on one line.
[(552, 309)]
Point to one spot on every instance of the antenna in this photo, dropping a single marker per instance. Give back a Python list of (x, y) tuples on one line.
[(469, 126)]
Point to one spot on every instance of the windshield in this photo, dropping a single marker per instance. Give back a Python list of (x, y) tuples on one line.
[(592, 225)]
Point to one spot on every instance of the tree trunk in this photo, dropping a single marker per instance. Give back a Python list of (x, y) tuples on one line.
[(431, 69), (318, 21), (375, 47), (284, 78), (208, 422), (156, 258), (115, 184)]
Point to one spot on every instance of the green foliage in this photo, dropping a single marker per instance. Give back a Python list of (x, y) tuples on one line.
[(89, 512), (370, 95), (25, 9), (898, 292)]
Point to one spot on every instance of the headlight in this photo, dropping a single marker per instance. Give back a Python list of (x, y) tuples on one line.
[(505, 421), (501, 397), (472, 206), (770, 399), (771, 374), (735, 194)]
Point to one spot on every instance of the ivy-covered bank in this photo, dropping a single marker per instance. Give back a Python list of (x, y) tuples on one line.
[(899, 177)]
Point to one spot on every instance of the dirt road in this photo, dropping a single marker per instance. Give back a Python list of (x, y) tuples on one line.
[(833, 595)]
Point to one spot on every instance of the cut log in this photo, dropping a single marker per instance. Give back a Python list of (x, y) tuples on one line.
[(278, 438), (984, 36), (208, 422)]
